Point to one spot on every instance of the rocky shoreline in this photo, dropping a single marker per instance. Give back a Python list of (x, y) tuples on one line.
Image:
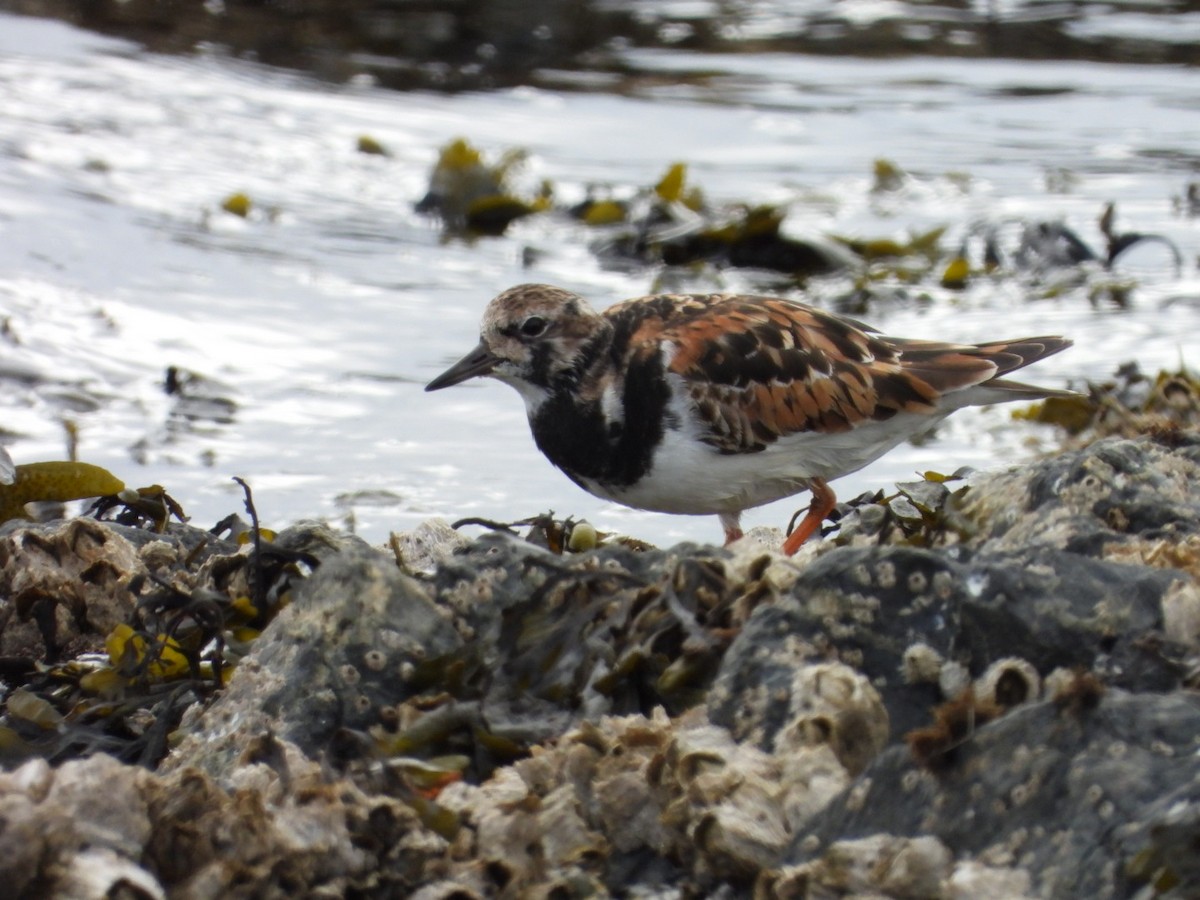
[(482, 44), (1006, 711)]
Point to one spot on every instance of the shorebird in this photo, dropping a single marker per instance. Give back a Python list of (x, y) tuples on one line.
[(717, 403)]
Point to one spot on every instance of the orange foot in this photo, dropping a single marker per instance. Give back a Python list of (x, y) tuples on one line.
[(823, 501)]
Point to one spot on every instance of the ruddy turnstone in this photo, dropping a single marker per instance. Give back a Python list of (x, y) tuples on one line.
[(715, 403)]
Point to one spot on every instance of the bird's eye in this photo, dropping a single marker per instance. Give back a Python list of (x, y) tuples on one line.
[(533, 326)]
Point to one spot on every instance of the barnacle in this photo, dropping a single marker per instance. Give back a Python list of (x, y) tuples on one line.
[(1009, 682)]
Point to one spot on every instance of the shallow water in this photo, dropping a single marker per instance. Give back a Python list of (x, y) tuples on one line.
[(323, 314)]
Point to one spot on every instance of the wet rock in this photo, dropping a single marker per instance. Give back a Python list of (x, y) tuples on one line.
[(1053, 578), (487, 43), (882, 864), (1077, 800), (1006, 711), (58, 587), (639, 804), (430, 544), (1095, 502), (63, 584), (504, 646), (466, 44), (96, 828), (357, 639)]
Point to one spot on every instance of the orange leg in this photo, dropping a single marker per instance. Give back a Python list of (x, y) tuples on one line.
[(731, 522), (823, 501)]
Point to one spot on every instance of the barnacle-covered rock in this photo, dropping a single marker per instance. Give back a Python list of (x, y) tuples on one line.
[(880, 864), (59, 587), (1085, 801), (51, 816), (96, 828), (1084, 560), (505, 645), (1092, 501), (358, 639), (493, 718), (423, 549), (803, 703), (634, 803)]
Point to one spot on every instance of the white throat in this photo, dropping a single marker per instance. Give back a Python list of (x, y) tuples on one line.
[(533, 395)]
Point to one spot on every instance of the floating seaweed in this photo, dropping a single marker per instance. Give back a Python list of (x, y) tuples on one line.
[(1189, 203), (672, 224), (472, 197), (370, 146), (1119, 242), (1129, 404), (238, 204), (924, 244), (1045, 246), (600, 211)]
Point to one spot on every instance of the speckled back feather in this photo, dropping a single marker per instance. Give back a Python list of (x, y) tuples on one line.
[(759, 368)]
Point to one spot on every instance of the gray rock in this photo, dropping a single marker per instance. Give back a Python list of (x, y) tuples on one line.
[(683, 721), (1089, 802), (358, 638), (1057, 579)]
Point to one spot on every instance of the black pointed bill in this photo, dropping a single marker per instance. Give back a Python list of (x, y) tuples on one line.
[(479, 361)]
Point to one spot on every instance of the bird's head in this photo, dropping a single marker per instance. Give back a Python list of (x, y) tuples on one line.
[(533, 336)]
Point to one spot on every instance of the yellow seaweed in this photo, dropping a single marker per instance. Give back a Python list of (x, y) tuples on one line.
[(605, 212), (458, 154), (124, 646), (238, 204), (957, 272), (1072, 413), (369, 145), (888, 176), (670, 186), (56, 481)]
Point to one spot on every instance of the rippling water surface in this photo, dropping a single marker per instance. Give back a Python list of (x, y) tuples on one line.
[(322, 315)]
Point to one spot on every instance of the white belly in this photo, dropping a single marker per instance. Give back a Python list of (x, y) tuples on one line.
[(690, 477)]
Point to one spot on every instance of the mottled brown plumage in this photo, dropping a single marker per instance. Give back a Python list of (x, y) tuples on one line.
[(641, 403)]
